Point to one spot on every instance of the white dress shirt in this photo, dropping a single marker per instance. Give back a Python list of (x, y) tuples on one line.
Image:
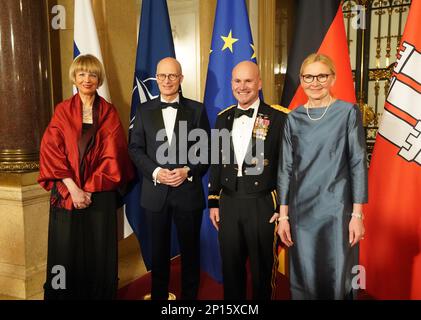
[(169, 115), (242, 129)]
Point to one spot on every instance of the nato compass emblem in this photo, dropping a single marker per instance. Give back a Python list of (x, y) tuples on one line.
[(141, 94)]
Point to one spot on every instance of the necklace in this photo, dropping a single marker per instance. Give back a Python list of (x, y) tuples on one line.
[(323, 114), (87, 114)]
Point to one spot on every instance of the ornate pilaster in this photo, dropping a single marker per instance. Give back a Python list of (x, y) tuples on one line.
[(266, 48)]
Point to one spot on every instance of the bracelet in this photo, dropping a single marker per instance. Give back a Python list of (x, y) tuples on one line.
[(357, 215), (283, 218)]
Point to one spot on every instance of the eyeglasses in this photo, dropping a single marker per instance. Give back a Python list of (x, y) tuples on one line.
[(171, 76), (309, 78)]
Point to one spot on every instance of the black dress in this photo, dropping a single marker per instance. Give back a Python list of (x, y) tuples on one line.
[(82, 250)]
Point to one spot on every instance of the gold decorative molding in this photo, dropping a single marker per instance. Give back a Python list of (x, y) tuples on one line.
[(366, 3), (367, 112), (18, 155), (18, 160), (380, 74), (19, 167), (371, 133)]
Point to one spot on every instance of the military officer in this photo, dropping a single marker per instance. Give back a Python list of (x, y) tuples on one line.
[(242, 187)]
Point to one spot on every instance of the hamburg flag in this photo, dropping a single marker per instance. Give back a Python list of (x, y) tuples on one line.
[(391, 251), (86, 38), (155, 42), (319, 28), (231, 43)]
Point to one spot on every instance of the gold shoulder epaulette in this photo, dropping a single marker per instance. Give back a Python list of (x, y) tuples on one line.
[(279, 108), (230, 107)]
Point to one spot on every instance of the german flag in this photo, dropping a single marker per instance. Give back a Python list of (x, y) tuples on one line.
[(319, 28)]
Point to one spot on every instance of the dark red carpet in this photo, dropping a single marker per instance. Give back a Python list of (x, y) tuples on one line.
[(209, 288)]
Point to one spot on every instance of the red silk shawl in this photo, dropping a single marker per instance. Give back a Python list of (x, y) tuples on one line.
[(104, 157)]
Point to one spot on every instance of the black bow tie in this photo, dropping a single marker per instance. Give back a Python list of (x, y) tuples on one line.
[(174, 105), (241, 112)]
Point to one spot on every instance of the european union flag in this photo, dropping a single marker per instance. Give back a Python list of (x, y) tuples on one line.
[(155, 42), (231, 43)]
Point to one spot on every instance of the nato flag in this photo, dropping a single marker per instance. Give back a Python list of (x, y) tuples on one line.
[(155, 42)]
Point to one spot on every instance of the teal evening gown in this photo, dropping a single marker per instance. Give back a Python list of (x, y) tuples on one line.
[(322, 172)]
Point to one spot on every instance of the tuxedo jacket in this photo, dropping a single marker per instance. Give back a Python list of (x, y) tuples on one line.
[(260, 167), (147, 153)]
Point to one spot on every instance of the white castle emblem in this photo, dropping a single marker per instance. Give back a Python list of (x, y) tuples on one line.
[(404, 130)]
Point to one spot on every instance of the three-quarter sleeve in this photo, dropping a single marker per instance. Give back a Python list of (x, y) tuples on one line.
[(357, 156), (285, 164)]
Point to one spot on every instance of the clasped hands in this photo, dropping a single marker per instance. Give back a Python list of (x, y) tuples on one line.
[(172, 178), (81, 199)]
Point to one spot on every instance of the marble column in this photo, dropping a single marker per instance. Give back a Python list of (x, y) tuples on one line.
[(25, 109), (25, 104)]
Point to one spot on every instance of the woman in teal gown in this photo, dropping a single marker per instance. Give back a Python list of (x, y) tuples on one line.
[(322, 184)]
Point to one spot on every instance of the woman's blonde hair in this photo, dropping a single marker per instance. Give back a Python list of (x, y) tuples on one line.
[(318, 57), (87, 63)]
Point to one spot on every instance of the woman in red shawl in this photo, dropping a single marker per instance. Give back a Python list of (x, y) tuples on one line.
[(83, 162)]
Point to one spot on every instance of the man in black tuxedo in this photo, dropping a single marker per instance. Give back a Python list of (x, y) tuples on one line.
[(242, 187), (172, 169)]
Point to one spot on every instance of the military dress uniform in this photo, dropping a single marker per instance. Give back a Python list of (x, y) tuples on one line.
[(245, 193)]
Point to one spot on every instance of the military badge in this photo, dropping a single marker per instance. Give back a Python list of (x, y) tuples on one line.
[(261, 126)]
